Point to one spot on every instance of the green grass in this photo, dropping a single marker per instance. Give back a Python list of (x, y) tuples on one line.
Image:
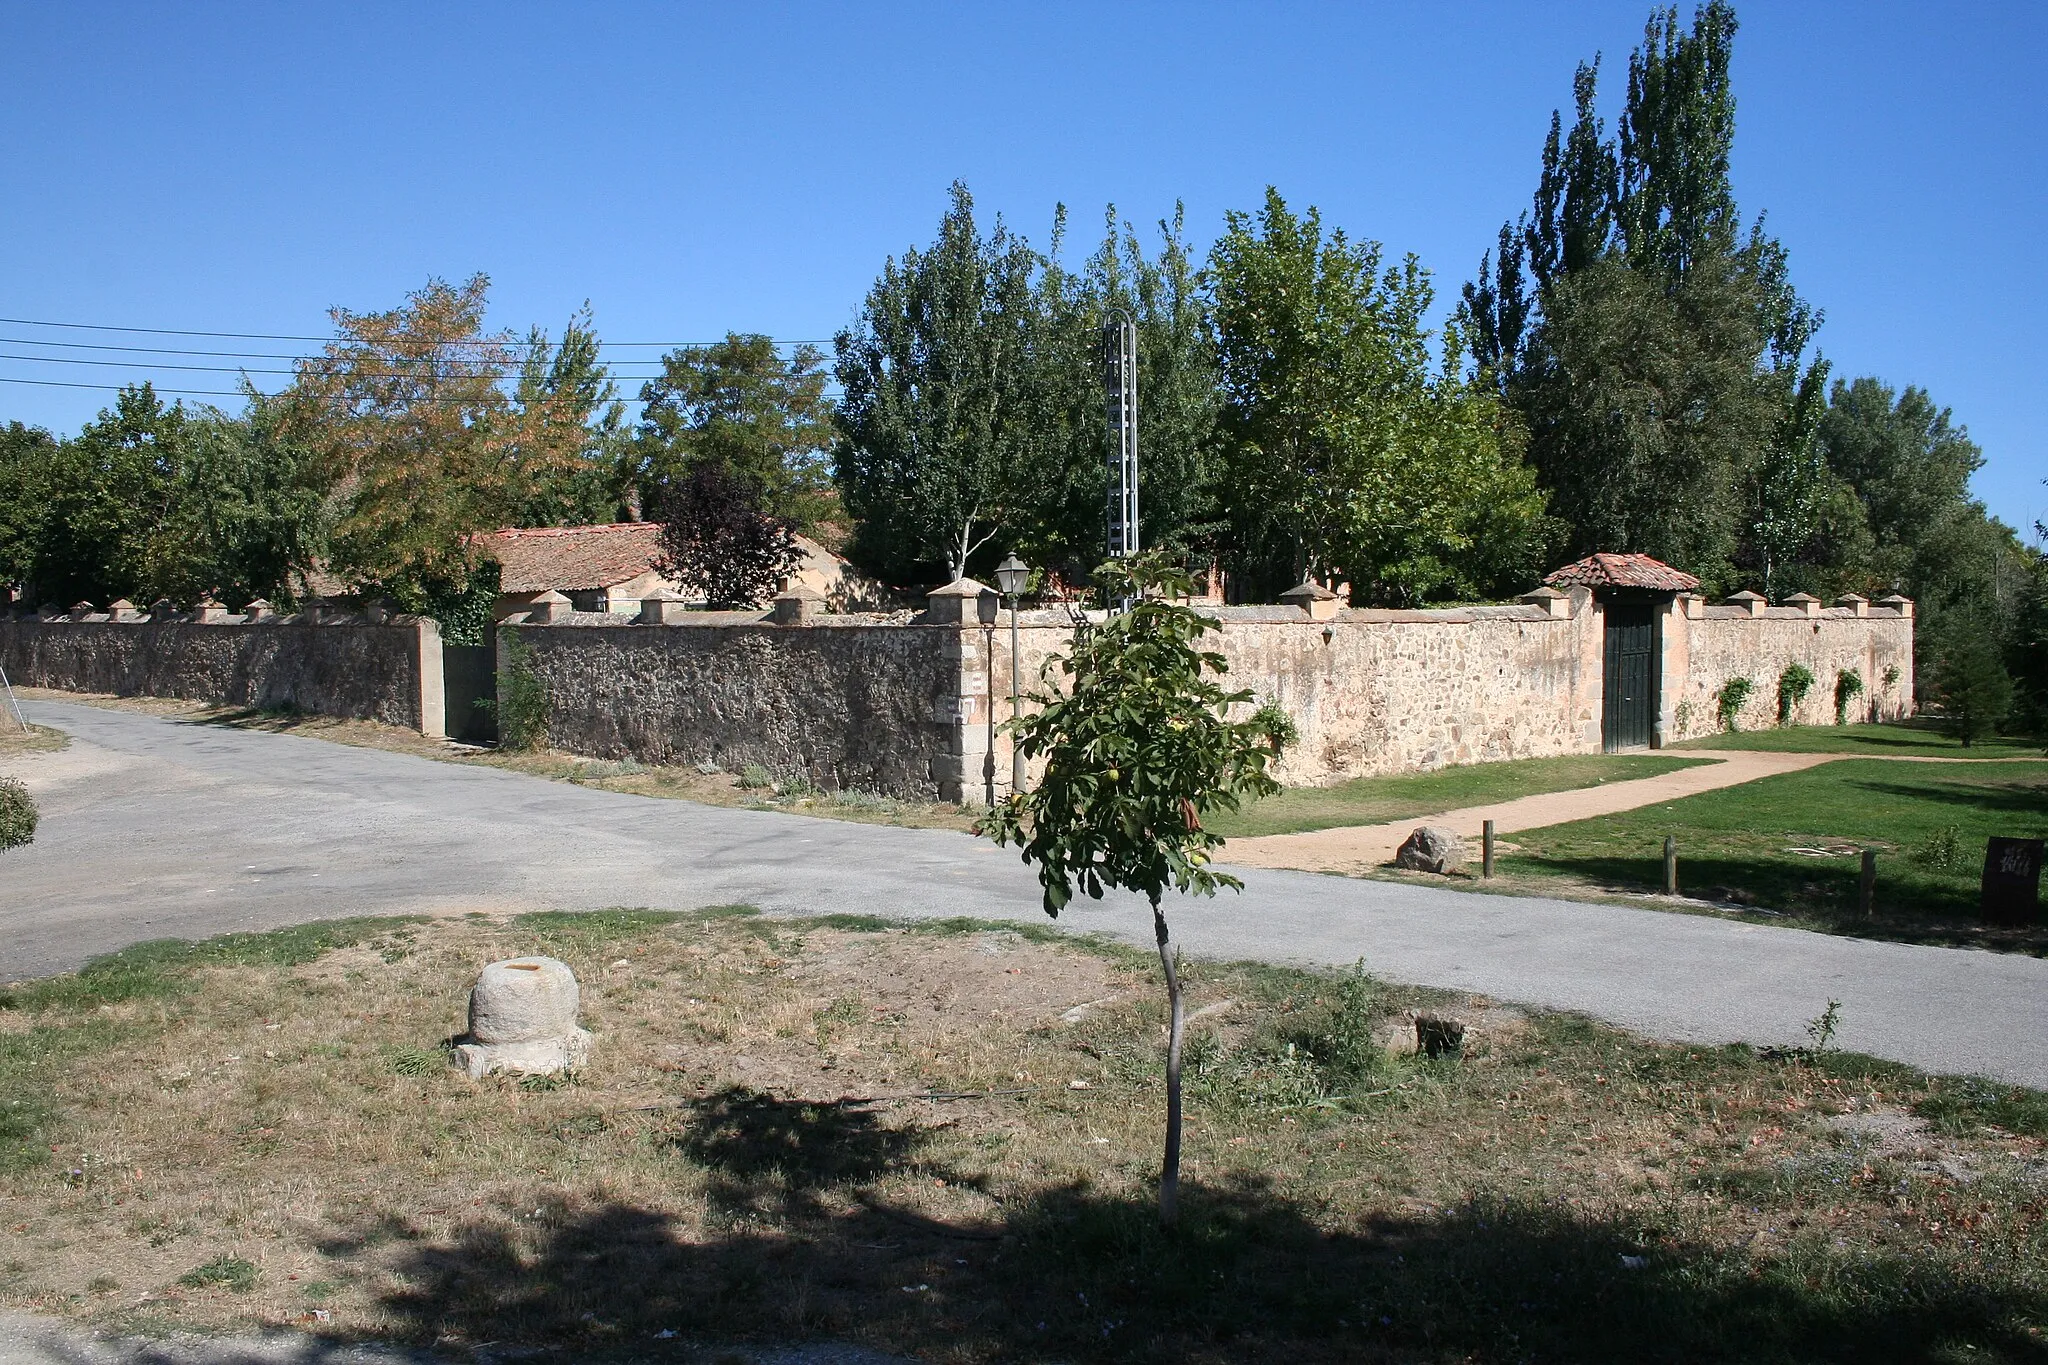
[(1909, 739), (164, 967), (1739, 840), (1375, 800)]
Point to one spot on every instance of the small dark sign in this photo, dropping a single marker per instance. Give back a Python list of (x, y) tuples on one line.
[(2012, 880)]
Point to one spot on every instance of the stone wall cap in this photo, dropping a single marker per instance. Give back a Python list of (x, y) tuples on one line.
[(801, 592), (1308, 591), (1543, 594), (1894, 600), (1801, 597), (551, 597), (663, 595), (120, 604), (960, 587), (1851, 598), (1744, 596)]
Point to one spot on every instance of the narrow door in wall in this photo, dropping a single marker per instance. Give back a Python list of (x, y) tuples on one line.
[(469, 679), (1628, 704)]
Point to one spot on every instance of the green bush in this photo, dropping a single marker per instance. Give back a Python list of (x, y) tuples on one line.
[(522, 697), (222, 1272), (1848, 687), (1729, 700), (1944, 852), (17, 813), (756, 777), (1793, 685)]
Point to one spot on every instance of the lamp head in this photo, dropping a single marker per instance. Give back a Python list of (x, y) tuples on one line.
[(1011, 575)]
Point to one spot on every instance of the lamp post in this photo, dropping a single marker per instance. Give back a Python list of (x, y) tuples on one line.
[(1011, 576)]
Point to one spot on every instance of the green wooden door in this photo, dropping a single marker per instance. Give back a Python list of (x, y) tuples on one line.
[(1629, 703), (469, 690)]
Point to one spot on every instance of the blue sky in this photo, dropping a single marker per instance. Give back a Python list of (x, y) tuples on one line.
[(693, 169)]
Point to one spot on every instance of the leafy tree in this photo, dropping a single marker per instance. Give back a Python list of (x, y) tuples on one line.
[(740, 404), (1062, 522), (1346, 452), (27, 456), (716, 535), (1970, 683), (569, 435), (109, 524), (1139, 749), (1654, 352), (931, 455), (406, 419)]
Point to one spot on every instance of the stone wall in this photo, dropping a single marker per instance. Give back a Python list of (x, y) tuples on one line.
[(845, 703), (1708, 645), (1385, 691), (390, 673), (913, 707)]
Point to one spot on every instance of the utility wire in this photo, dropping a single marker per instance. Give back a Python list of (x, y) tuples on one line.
[(281, 336), (193, 393), (236, 369)]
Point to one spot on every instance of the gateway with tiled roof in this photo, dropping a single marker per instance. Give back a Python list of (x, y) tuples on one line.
[(1622, 571)]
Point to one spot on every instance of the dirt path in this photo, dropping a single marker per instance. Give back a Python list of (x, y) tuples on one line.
[(1353, 848)]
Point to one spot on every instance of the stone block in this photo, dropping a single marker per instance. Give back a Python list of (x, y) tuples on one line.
[(1550, 600), (1431, 848), (795, 605), (956, 604), (1805, 602), (548, 609), (1751, 602), (522, 1020), (1318, 601), (663, 608)]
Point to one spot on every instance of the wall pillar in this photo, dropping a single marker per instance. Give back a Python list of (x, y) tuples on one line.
[(432, 707)]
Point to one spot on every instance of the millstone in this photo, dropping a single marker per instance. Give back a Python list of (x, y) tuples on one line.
[(522, 1019)]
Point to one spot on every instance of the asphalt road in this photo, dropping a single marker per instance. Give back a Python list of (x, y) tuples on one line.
[(158, 828)]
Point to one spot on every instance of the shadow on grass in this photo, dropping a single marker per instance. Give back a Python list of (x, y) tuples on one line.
[(1250, 1275), (1997, 798)]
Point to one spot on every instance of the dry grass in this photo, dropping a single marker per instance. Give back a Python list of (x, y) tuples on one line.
[(37, 739), (794, 1130), (680, 782)]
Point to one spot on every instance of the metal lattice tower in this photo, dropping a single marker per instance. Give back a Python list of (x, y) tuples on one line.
[(1120, 380)]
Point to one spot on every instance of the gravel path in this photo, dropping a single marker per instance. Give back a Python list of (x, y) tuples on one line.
[(1353, 848), (157, 828)]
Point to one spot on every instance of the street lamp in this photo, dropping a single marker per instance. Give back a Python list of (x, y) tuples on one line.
[(1011, 576)]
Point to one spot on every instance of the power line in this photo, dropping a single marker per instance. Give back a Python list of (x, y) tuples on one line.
[(193, 393), (229, 369), (282, 336)]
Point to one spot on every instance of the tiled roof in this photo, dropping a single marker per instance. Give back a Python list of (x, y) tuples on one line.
[(572, 558), (1622, 571), (584, 558)]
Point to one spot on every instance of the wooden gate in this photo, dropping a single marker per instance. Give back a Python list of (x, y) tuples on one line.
[(1629, 704), (469, 687)]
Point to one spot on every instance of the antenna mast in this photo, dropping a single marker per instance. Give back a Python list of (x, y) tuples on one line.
[(1120, 376)]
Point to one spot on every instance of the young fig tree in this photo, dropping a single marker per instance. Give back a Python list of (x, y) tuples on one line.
[(1139, 747)]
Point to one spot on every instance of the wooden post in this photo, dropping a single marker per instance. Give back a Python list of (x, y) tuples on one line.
[(1486, 849), (1866, 890), (1670, 866)]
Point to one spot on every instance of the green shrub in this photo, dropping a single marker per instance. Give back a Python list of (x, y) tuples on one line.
[(1848, 687), (1729, 701), (522, 697), (1944, 852), (756, 777), (17, 813), (223, 1272), (1793, 685)]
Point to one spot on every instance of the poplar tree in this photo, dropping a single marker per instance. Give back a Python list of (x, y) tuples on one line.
[(1656, 352), (932, 456)]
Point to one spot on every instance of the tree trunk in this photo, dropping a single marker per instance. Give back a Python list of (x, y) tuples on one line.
[(1169, 1175)]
